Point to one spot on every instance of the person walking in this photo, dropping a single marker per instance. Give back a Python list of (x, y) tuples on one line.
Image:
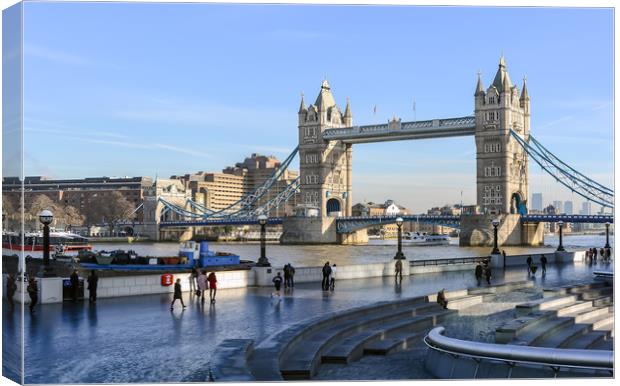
[(594, 253), (398, 270), (291, 271), (543, 264), (11, 288), (327, 270), (487, 273), (75, 285), (441, 298), (478, 273), (177, 295), (202, 285), (33, 292), (93, 280), (277, 283), (212, 286), (193, 277), (332, 280), (529, 264), (287, 276)]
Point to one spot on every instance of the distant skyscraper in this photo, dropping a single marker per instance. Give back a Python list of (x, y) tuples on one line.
[(568, 207), (537, 203), (558, 207), (586, 208)]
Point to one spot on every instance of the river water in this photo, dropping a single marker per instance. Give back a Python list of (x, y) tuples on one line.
[(316, 255)]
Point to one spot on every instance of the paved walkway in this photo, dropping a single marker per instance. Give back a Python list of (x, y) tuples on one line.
[(138, 339)]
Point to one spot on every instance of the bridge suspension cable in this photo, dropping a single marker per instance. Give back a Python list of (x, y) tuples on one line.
[(577, 182)]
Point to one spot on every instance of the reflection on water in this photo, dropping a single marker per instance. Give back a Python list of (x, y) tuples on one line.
[(315, 255)]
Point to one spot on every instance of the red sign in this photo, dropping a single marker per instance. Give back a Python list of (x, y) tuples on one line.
[(167, 279)]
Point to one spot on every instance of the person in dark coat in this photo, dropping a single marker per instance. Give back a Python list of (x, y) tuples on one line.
[(93, 280), (441, 298), (594, 253), (327, 270), (11, 288), (529, 264), (177, 294), (277, 283), (291, 271), (398, 270), (33, 292), (543, 264), (478, 273), (75, 285), (287, 276), (487, 273)]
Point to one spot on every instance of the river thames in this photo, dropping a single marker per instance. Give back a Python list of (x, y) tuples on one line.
[(315, 255)]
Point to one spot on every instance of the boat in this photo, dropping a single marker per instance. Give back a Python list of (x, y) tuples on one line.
[(414, 239), (60, 242)]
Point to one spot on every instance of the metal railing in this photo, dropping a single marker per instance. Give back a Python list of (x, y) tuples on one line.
[(555, 358), (452, 261)]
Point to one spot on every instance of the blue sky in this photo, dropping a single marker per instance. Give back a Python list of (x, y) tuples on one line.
[(161, 89)]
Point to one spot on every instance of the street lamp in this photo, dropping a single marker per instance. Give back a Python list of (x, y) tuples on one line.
[(495, 223), (607, 246), (262, 261), (399, 254), (560, 247), (46, 217)]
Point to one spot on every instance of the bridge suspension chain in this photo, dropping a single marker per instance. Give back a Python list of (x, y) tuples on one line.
[(577, 182)]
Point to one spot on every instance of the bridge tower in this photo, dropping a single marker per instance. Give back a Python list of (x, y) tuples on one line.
[(502, 164), (325, 172)]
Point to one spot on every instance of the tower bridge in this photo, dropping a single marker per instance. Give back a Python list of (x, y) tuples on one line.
[(500, 127)]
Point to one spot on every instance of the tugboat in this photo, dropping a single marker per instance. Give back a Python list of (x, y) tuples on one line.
[(62, 242)]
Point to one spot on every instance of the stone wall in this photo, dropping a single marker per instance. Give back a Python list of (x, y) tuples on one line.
[(309, 230), (477, 230)]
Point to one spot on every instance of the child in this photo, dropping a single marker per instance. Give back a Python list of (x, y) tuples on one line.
[(277, 283)]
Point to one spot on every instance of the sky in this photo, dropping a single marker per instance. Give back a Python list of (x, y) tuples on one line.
[(121, 89)]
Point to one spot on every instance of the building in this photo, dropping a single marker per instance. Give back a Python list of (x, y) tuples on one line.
[(568, 207), (558, 207), (215, 191), (586, 208), (388, 208), (537, 202)]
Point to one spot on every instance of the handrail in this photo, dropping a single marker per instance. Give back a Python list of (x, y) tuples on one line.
[(544, 356), (454, 260)]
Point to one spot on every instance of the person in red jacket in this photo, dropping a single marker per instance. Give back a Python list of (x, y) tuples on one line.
[(212, 286)]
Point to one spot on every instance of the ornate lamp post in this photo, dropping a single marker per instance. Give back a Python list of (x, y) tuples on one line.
[(46, 217), (495, 223), (399, 254), (607, 246), (262, 260), (561, 247)]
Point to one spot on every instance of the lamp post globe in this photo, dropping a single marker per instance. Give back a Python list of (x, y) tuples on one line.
[(495, 223), (262, 260), (560, 246), (399, 253), (46, 217)]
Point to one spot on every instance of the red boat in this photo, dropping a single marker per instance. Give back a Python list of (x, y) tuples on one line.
[(33, 242)]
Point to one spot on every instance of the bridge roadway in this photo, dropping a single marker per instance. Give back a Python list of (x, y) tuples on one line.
[(396, 130)]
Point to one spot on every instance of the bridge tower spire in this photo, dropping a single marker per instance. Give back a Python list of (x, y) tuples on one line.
[(502, 165)]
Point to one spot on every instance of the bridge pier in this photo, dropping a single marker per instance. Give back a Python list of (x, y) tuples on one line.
[(477, 231), (318, 230)]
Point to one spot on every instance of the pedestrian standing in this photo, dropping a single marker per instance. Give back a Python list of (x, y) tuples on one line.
[(193, 277), (11, 288), (75, 285), (93, 280), (33, 292), (529, 264), (291, 271), (332, 280), (594, 253), (441, 298), (327, 270), (177, 294), (478, 273), (398, 270), (277, 283), (287, 276), (543, 264), (602, 253), (212, 286), (608, 254), (202, 285), (487, 273)]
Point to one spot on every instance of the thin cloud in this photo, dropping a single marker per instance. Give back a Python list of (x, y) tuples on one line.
[(73, 134), (560, 120), (602, 106), (54, 55)]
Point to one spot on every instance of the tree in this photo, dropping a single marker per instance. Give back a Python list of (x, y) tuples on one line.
[(109, 209), (37, 204)]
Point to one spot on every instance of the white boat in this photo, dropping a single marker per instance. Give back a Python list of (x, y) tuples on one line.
[(413, 239)]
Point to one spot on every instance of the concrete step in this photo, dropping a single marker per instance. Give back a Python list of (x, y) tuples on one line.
[(603, 344), (573, 308), (584, 316), (596, 293), (545, 304), (397, 342), (601, 322), (509, 330), (501, 288), (531, 336), (353, 347), (603, 301), (302, 360), (585, 341), (571, 289), (565, 334), (465, 301)]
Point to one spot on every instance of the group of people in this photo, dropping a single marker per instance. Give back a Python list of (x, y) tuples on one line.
[(329, 277), (289, 282), (483, 268), (531, 268), (592, 254), (199, 283), (92, 281)]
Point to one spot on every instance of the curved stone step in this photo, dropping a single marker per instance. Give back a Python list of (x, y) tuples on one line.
[(603, 344), (532, 336), (585, 341), (229, 361), (565, 334), (595, 293), (544, 304), (396, 342), (509, 330)]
